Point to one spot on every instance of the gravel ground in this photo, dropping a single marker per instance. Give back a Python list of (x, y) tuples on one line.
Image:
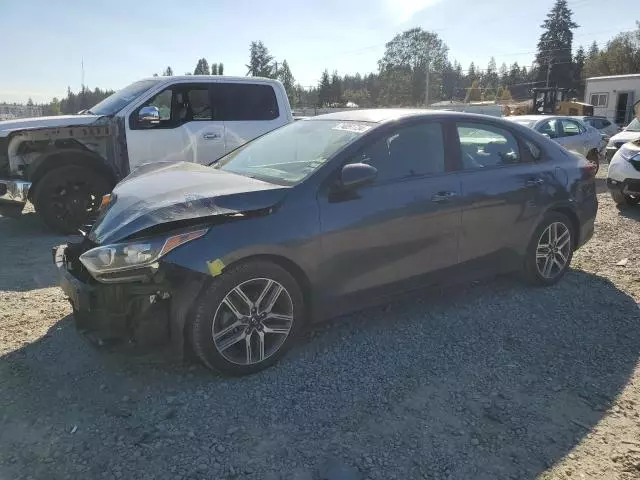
[(486, 381)]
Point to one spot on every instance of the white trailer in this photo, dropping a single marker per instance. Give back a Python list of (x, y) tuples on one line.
[(614, 96)]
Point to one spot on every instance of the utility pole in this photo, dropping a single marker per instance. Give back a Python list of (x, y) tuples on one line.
[(549, 66), (426, 92), (276, 69)]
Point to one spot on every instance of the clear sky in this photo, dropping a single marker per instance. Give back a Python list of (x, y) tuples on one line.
[(43, 42)]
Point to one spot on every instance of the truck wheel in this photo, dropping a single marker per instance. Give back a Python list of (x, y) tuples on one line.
[(622, 199), (67, 198)]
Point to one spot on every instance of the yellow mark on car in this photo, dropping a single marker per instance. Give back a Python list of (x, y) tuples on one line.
[(215, 267)]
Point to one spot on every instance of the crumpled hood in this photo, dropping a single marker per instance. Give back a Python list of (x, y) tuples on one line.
[(164, 192), (624, 136), (8, 126)]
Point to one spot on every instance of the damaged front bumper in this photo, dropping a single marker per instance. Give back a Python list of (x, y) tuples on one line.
[(148, 313)]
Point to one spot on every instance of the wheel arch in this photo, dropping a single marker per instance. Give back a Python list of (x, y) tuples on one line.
[(295, 270), (62, 158), (571, 214)]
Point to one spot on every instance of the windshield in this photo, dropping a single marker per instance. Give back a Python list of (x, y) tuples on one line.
[(634, 126), (292, 153), (116, 102)]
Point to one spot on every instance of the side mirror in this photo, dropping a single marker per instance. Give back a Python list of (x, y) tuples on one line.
[(546, 135), (148, 116), (356, 175)]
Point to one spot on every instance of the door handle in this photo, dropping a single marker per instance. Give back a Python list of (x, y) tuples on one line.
[(533, 182), (210, 136), (443, 197)]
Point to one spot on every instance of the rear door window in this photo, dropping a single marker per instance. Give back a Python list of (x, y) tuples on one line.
[(487, 146), (245, 101), (548, 128), (569, 128)]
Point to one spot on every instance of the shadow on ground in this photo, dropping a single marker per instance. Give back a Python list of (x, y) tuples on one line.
[(495, 380), (25, 246)]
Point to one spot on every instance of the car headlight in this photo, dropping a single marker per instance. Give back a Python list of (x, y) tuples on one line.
[(629, 154), (120, 257)]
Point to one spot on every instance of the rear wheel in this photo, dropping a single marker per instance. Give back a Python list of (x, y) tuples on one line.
[(594, 157), (68, 197), (550, 250), (623, 199), (247, 318)]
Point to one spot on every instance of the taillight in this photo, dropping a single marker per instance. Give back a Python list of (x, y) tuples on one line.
[(589, 171)]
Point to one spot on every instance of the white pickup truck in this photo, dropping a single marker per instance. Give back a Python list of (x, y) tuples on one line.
[(65, 164)]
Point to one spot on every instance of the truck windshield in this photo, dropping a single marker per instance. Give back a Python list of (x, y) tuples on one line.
[(116, 102), (290, 154)]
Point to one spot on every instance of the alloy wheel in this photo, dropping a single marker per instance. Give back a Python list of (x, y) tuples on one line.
[(553, 250), (253, 321)]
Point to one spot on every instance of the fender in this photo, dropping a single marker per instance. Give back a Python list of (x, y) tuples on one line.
[(71, 156)]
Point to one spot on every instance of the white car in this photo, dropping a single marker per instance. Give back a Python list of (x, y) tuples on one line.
[(623, 178), (65, 164), (629, 134), (569, 132)]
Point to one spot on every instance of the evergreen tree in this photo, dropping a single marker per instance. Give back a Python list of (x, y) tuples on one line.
[(286, 77), (168, 72), (214, 69), (259, 61), (554, 47), (220, 68), (202, 67), (336, 88), (324, 89)]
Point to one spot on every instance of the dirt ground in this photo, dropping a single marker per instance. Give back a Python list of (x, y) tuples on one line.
[(490, 380)]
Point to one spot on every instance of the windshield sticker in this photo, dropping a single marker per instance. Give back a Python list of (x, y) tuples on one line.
[(352, 127)]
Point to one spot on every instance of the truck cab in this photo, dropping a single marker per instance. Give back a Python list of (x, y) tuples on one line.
[(65, 164)]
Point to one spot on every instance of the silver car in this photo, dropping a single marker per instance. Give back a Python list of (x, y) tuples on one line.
[(570, 132), (606, 127)]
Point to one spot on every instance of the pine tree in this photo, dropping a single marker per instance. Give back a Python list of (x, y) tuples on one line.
[(220, 68), (324, 89), (336, 88), (214, 69), (168, 72), (202, 68), (554, 47), (286, 77), (259, 61)]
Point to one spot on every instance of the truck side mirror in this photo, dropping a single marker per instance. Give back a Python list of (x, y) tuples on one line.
[(148, 116)]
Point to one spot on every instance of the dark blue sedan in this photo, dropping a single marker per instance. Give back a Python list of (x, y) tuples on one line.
[(320, 217)]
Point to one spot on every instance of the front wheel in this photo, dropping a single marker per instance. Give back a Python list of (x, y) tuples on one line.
[(622, 199), (68, 197), (550, 251), (247, 318)]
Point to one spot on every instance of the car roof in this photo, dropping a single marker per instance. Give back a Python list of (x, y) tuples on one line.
[(384, 115), (208, 78)]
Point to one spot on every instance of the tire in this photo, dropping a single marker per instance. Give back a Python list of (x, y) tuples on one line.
[(67, 198), (594, 158), (622, 199), (534, 268), (213, 313)]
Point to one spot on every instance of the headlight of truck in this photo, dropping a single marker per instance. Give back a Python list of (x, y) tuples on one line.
[(121, 257)]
